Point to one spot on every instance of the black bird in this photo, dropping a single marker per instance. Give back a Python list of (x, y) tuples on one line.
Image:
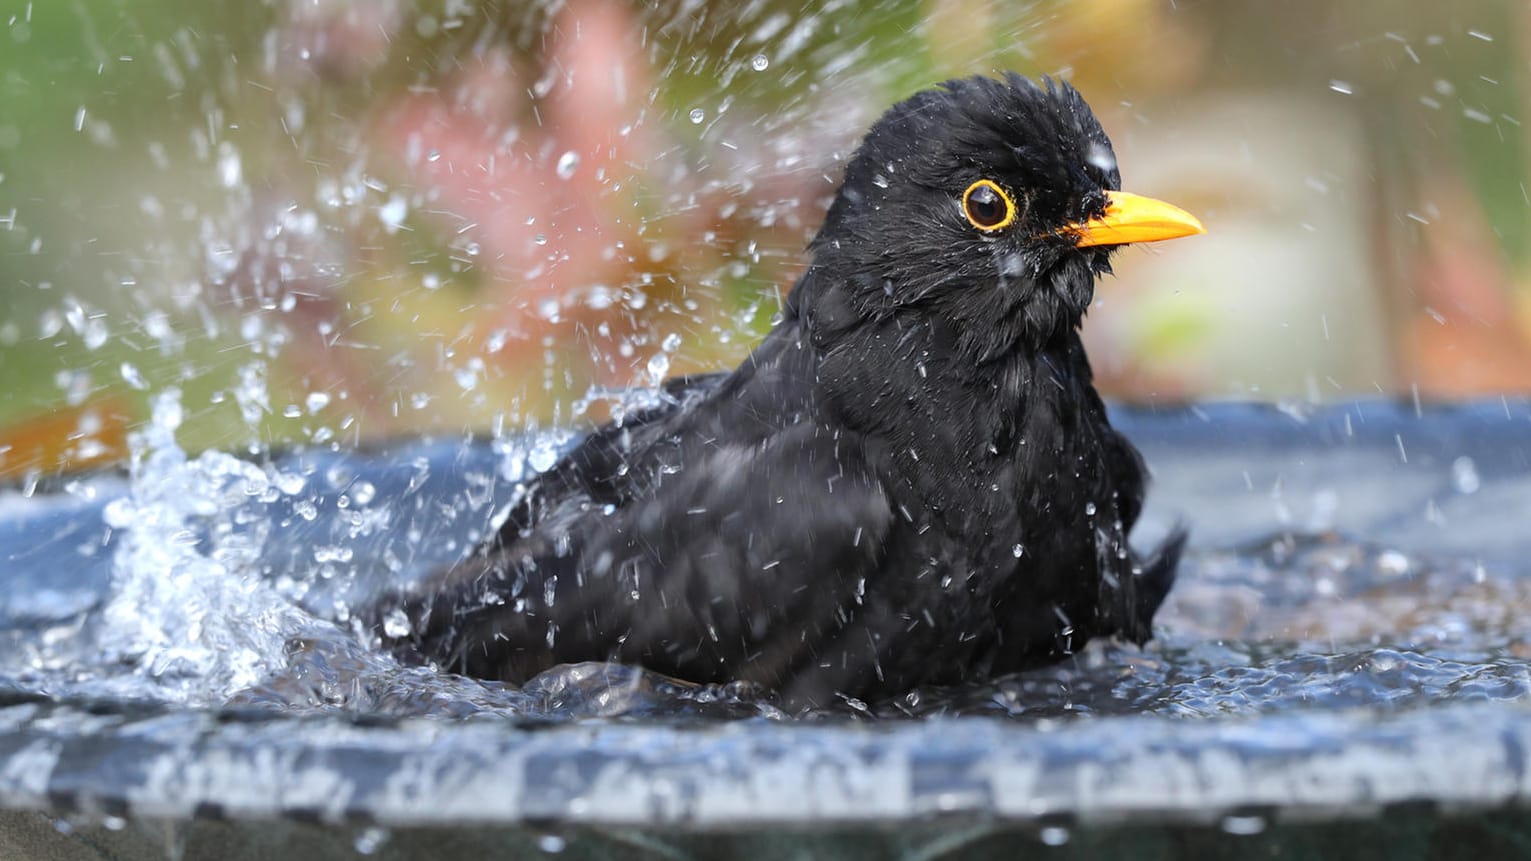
[(911, 480)]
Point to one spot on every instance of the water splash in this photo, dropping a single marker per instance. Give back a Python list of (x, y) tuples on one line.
[(188, 612)]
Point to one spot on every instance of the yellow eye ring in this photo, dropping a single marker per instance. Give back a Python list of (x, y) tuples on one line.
[(987, 206)]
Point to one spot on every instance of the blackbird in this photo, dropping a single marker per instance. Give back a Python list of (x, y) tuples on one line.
[(910, 481)]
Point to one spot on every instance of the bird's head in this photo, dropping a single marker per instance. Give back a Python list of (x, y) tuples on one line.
[(993, 203)]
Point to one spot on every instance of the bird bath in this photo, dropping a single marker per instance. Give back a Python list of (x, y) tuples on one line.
[(413, 211), (1342, 665)]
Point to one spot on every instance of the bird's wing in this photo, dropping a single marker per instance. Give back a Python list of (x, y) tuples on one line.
[(597, 467), (738, 560)]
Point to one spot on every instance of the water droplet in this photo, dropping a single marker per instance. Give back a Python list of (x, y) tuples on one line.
[(1018, 551), (1464, 475), (551, 843), (230, 170), (600, 298), (306, 510), (316, 401), (671, 343), (166, 414), (49, 324), (81, 490), (1054, 835), (697, 115), (1393, 562), (363, 492), (466, 378), (332, 553), (370, 840), (1089, 509), (760, 62), (659, 366), (1243, 825), (132, 377), (392, 213), (542, 456), (290, 483), (540, 239), (1101, 156), (95, 333), (396, 624), (567, 164)]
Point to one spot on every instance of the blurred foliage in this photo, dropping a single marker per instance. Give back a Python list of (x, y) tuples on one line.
[(329, 221)]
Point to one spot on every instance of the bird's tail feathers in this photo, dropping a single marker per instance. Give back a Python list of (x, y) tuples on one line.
[(1152, 582)]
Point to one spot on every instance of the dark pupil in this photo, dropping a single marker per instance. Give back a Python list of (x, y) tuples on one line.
[(985, 207)]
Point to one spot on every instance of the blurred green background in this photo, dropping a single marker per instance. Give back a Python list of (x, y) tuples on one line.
[(331, 222)]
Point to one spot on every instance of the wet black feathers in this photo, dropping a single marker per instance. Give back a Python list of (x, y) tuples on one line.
[(910, 481)]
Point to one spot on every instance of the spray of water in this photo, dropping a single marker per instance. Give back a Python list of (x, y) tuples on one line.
[(188, 611)]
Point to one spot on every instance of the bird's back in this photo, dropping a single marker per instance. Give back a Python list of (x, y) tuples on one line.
[(721, 535)]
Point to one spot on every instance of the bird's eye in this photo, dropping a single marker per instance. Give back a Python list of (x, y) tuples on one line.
[(987, 206)]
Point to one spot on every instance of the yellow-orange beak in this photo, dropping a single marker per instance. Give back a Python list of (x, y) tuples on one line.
[(1132, 218)]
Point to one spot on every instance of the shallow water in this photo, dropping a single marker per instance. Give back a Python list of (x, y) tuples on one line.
[(214, 581)]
